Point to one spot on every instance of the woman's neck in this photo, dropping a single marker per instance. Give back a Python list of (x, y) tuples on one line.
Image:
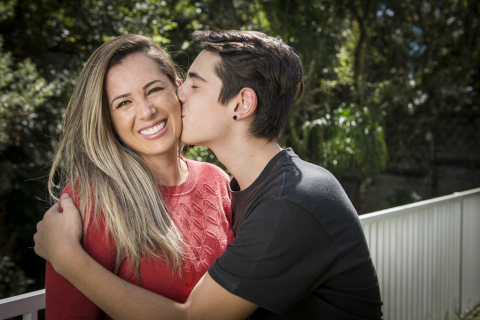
[(169, 169)]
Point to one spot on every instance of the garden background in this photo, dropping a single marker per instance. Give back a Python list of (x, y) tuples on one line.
[(391, 104)]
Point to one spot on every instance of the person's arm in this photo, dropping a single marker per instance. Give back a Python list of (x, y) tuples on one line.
[(62, 299), (57, 240)]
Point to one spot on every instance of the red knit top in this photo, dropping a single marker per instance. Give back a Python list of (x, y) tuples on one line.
[(201, 208)]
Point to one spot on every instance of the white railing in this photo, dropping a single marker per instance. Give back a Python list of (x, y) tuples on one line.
[(26, 304), (427, 256)]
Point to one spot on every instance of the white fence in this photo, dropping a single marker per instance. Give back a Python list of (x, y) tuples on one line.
[(427, 256), (25, 304)]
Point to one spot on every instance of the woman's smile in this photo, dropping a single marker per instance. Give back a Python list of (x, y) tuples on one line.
[(156, 130)]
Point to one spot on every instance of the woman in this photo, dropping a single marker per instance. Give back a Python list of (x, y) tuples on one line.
[(152, 217)]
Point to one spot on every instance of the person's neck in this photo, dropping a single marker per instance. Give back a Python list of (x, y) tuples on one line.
[(167, 167), (246, 158)]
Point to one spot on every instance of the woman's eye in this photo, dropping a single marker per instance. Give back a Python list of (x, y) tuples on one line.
[(123, 103), (156, 89)]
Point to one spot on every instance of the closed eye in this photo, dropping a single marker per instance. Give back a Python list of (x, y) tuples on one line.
[(153, 90)]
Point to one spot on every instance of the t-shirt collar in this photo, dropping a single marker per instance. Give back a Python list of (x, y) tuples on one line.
[(235, 187)]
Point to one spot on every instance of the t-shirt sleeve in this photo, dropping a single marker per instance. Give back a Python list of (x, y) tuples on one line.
[(62, 299), (280, 254)]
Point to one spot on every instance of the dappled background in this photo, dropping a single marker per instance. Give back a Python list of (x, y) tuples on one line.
[(391, 105)]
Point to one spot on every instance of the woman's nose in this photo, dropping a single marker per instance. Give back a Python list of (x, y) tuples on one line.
[(145, 109)]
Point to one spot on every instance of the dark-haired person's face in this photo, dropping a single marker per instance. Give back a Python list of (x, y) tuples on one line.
[(204, 118), (143, 105)]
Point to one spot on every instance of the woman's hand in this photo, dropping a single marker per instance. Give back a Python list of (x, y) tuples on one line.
[(58, 234)]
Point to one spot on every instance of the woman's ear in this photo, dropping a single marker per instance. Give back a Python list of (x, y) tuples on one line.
[(246, 104)]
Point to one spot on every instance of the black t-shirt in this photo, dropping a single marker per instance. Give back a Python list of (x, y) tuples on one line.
[(299, 251)]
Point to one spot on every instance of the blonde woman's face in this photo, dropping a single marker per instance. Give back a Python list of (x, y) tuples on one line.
[(144, 107)]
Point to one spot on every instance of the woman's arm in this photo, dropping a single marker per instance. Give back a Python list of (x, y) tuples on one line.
[(123, 300), (62, 299), (57, 240)]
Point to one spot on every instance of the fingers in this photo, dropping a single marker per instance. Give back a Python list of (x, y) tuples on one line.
[(37, 239), (53, 209), (58, 231), (67, 202), (69, 208), (39, 236)]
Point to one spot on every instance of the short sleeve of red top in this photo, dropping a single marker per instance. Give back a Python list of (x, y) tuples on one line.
[(201, 209)]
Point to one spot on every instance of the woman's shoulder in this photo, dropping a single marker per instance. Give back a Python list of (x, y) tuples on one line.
[(96, 240), (88, 211), (72, 192), (208, 170)]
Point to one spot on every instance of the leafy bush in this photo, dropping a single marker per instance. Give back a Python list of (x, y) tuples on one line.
[(12, 279)]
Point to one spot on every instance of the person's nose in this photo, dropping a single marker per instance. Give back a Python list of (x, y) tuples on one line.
[(145, 109)]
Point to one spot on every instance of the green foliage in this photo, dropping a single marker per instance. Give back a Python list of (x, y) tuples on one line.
[(349, 143), (7, 9), (12, 280), (22, 91), (401, 196), (200, 153)]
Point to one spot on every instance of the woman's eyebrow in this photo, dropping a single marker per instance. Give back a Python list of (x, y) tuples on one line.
[(120, 96), (152, 82)]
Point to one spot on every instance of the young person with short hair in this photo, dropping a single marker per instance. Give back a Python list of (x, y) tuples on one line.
[(299, 251)]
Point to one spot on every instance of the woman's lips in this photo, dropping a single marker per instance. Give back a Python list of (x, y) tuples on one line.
[(152, 125), (154, 131)]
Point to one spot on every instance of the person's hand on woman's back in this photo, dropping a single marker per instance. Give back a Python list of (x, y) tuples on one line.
[(57, 231)]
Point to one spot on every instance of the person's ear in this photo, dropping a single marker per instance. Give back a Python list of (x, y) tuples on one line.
[(246, 104)]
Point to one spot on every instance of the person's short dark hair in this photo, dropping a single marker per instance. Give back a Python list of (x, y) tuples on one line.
[(265, 64)]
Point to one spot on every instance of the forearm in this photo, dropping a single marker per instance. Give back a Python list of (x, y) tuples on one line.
[(115, 296), (64, 301), (57, 240)]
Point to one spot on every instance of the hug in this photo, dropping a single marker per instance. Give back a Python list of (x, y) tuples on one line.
[(141, 232)]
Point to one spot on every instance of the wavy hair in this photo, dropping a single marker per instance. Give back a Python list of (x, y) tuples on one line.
[(112, 180)]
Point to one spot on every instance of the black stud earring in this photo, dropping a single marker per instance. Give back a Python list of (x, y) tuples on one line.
[(234, 117)]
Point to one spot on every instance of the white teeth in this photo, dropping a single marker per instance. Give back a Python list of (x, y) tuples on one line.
[(158, 127)]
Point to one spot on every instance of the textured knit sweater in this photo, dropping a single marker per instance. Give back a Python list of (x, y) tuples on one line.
[(201, 207)]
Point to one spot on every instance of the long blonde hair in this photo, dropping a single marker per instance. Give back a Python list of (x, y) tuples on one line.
[(111, 178)]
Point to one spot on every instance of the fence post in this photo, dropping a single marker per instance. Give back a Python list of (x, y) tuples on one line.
[(30, 316), (460, 273)]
